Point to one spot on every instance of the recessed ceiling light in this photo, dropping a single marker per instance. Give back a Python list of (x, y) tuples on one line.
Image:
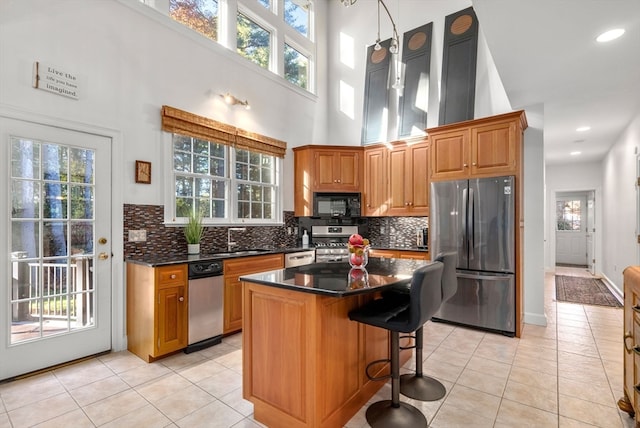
[(575, 153), (583, 128), (607, 36)]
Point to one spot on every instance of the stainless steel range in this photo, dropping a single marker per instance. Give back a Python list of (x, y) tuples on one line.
[(331, 242)]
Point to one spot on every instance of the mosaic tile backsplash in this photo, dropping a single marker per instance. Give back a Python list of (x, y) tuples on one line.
[(162, 239), (395, 232), (383, 232)]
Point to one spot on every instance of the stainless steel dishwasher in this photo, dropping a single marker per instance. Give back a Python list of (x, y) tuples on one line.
[(299, 258), (206, 297)]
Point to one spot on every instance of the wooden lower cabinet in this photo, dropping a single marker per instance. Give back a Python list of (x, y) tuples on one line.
[(233, 270), (304, 360), (400, 254), (157, 310), (630, 402)]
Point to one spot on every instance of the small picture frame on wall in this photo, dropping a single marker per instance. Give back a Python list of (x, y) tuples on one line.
[(143, 172)]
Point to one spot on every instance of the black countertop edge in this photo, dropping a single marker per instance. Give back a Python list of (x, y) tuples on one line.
[(339, 279), (153, 260), (380, 247)]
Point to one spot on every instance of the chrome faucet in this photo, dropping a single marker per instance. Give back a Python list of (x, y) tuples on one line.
[(231, 243)]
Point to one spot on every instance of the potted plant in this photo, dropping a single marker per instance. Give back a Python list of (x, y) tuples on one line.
[(193, 232)]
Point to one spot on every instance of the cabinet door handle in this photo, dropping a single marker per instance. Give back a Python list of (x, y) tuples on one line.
[(172, 276), (465, 165), (181, 299), (474, 164), (627, 335)]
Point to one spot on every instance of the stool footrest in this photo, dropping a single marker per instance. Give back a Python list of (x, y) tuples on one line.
[(366, 370)]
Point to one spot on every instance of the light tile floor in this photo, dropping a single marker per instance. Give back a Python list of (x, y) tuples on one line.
[(567, 374)]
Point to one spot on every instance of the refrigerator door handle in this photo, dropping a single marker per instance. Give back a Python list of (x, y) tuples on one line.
[(483, 277), (465, 219), (472, 219)]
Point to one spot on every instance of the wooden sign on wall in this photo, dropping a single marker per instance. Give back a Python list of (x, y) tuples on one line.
[(54, 79)]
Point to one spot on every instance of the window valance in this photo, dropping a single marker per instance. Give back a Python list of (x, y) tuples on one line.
[(260, 143), (185, 123)]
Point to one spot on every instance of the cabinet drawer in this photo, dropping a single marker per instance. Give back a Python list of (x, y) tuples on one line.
[(169, 275), (248, 265)]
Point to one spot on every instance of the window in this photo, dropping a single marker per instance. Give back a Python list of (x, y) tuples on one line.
[(568, 215), (265, 3), (225, 173), (296, 67), (256, 188), (296, 14), (199, 15), (253, 41), (203, 181)]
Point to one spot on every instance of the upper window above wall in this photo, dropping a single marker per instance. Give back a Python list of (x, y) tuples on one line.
[(280, 40), (199, 15), (253, 41), (296, 14)]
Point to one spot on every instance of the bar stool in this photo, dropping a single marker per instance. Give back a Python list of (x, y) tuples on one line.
[(401, 315), (418, 386)]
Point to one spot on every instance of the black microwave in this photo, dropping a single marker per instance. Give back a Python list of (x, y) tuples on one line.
[(336, 204)]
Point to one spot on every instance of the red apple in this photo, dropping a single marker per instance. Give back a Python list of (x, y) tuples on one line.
[(355, 239), (356, 260)]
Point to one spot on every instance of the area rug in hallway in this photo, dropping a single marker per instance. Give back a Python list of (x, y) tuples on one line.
[(587, 291)]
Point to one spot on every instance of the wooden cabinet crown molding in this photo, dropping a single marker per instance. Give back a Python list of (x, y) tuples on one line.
[(518, 114)]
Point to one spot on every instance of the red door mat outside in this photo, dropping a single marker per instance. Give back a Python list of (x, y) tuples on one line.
[(586, 291)]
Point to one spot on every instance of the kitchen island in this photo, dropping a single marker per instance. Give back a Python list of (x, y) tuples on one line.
[(303, 359)]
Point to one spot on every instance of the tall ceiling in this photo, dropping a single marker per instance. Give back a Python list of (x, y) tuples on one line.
[(546, 54)]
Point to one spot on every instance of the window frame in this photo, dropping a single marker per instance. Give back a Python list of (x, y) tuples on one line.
[(231, 217)]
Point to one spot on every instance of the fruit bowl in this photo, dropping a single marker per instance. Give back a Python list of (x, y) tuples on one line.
[(358, 251)]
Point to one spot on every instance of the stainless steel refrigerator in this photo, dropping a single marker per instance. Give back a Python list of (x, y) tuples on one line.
[(476, 219)]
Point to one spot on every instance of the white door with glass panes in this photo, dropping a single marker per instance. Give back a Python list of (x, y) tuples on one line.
[(571, 238), (56, 230)]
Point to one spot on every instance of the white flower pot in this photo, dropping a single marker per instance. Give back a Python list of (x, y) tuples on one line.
[(193, 248)]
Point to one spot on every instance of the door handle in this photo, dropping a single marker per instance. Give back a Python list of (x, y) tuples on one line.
[(103, 256)]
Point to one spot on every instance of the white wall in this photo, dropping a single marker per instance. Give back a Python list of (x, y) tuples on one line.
[(533, 246), (620, 212)]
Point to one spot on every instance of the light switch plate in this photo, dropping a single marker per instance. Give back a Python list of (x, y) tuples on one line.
[(137, 235)]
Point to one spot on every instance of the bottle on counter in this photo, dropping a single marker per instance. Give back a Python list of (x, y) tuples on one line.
[(305, 239)]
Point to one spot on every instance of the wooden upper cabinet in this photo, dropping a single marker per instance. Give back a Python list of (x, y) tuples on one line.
[(449, 154), (374, 195), (325, 169), (477, 148), (408, 177), (337, 170), (493, 148)]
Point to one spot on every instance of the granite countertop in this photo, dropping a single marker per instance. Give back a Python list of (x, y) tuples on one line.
[(154, 260), (338, 279)]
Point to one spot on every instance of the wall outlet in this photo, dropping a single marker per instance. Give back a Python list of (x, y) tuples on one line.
[(137, 235)]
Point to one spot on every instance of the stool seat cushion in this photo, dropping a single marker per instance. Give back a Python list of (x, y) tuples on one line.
[(405, 312)]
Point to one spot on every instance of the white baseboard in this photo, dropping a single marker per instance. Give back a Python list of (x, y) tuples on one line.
[(615, 290), (536, 319)]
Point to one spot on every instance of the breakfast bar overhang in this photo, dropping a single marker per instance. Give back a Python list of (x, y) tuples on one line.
[(303, 359)]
